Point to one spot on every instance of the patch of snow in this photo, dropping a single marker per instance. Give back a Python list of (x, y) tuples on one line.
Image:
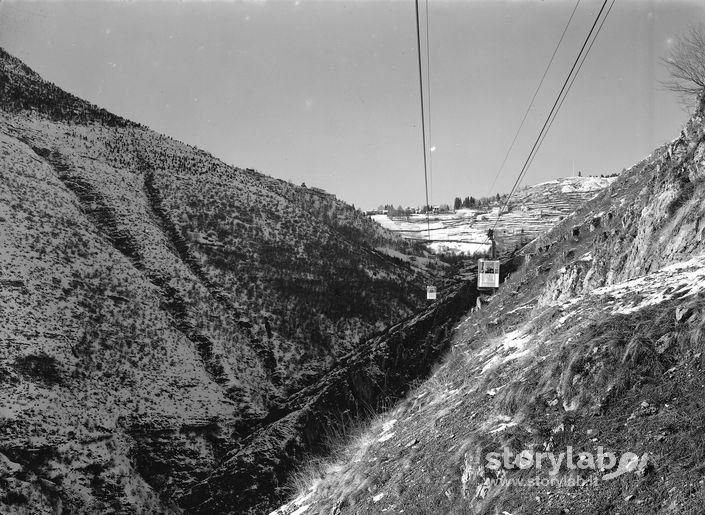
[(585, 184), (301, 510), (679, 280), (387, 426), (545, 183), (564, 318), (502, 427), (386, 436), (515, 340), (490, 364), (520, 308), (493, 391), (300, 500)]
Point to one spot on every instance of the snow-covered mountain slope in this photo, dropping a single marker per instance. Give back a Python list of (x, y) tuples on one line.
[(532, 211), (593, 349), (588, 184), (157, 306)]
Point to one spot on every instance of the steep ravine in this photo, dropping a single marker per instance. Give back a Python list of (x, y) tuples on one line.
[(595, 344), (253, 478), (164, 317)]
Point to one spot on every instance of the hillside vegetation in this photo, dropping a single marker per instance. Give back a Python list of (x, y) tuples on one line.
[(595, 345), (158, 307)]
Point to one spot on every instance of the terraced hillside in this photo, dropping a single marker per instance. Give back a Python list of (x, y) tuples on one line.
[(536, 209), (532, 211), (577, 389), (158, 306)]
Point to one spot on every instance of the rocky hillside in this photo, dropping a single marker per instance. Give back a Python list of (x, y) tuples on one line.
[(577, 389), (158, 307)]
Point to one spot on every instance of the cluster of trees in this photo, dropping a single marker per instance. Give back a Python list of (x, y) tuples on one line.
[(479, 203), (296, 255), (408, 211)]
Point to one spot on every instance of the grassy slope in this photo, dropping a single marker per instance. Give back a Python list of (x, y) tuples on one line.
[(597, 341)]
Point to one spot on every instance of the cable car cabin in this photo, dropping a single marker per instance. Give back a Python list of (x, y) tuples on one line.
[(487, 274), (431, 293)]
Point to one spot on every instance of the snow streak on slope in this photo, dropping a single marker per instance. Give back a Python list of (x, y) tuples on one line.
[(674, 282)]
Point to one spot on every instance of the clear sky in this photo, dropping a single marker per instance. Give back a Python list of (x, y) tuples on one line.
[(327, 93)]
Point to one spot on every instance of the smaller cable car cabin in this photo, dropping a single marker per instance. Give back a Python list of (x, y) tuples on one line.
[(431, 292), (487, 274)]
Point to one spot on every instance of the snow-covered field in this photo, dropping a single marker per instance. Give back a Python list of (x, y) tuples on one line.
[(449, 232), (577, 184), (532, 211)]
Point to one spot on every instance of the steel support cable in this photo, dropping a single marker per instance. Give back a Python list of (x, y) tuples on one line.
[(428, 103), (423, 124), (533, 98), (550, 114), (548, 118), (599, 29)]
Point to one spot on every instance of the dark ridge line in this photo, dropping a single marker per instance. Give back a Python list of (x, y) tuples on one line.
[(93, 205), (177, 242), (509, 263), (182, 251), (174, 304)]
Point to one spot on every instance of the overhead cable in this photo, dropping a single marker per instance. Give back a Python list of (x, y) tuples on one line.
[(553, 110), (533, 98), (423, 123)]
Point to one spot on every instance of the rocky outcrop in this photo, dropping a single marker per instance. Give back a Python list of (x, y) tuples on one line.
[(651, 216)]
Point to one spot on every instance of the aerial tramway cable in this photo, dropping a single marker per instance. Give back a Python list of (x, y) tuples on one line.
[(536, 145), (533, 98), (573, 79), (423, 123), (554, 109), (431, 292), (428, 103)]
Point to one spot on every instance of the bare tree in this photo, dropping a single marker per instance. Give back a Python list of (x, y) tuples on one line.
[(686, 64)]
